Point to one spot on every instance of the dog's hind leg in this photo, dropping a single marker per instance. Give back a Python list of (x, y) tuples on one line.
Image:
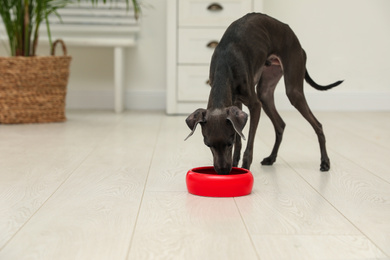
[(293, 77), (265, 91), (300, 103)]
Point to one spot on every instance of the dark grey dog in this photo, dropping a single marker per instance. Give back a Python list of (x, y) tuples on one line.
[(248, 62)]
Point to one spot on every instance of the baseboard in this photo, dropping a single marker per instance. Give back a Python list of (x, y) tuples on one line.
[(156, 100)]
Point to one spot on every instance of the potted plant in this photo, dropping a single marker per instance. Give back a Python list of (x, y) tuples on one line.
[(33, 88)]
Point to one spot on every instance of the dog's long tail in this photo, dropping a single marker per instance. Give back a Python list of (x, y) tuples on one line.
[(319, 87)]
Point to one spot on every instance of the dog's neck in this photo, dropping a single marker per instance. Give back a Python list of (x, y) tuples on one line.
[(221, 93)]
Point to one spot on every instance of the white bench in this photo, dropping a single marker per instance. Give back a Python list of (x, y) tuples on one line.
[(109, 25)]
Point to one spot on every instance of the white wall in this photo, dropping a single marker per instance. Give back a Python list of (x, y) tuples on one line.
[(91, 83), (344, 39)]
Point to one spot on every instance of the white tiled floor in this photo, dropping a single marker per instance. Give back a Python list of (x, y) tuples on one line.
[(108, 186)]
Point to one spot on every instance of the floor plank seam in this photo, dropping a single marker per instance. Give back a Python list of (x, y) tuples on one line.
[(246, 229), (143, 191)]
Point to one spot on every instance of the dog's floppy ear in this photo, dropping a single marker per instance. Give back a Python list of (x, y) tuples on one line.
[(199, 116), (238, 119)]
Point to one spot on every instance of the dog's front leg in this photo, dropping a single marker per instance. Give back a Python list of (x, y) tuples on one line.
[(237, 142), (237, 150), (254, 111)]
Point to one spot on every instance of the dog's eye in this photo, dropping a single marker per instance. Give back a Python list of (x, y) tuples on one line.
[(229, 144)]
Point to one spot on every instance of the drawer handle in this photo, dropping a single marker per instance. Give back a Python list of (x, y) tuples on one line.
[(212, 44), (215, 7)]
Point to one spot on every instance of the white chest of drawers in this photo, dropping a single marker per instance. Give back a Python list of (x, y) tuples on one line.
[(194, 27)]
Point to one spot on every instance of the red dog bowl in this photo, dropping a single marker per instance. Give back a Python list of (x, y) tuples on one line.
[(205, 181)]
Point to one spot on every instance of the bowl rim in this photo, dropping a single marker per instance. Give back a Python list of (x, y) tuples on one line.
[(241, 171)]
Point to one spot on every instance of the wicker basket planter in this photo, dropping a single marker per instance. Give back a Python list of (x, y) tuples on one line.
[(33, 89)]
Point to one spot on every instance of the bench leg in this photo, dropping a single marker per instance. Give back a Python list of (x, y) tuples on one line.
[(119, 78)]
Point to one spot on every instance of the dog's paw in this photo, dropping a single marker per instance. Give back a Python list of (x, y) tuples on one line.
[(325, 166), (268, 161)]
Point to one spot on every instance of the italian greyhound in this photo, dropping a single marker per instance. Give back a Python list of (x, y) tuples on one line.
[(253, 54)]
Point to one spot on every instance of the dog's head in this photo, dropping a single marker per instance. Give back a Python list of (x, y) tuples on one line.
[(219, 128)]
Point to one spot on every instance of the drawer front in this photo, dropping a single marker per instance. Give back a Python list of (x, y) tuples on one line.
[(196, 46), (211, 13), (192, 83)]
